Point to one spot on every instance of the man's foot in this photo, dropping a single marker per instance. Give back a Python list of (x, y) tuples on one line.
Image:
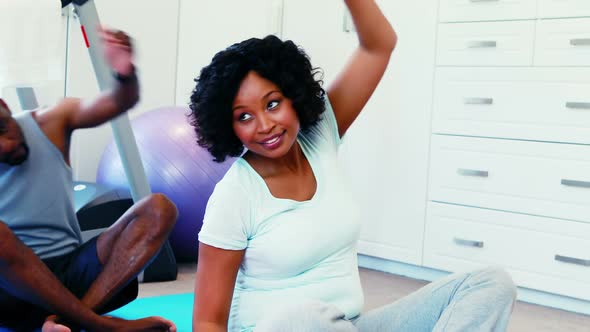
[(149, 324), (51, 325)]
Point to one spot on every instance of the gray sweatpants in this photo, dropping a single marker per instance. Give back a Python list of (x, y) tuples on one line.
[(478, 301)]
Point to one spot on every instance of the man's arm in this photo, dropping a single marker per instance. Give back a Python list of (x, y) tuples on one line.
[(74, 113), (77, 113)]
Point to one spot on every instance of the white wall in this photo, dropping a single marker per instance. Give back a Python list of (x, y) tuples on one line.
[(33, 39), (207, 27), (388, 148), (32, 49), (154, 27)]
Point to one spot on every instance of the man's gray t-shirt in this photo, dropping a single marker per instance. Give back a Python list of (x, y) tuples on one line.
[(37, 196)]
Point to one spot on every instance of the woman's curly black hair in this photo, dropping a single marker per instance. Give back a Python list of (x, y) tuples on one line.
[(280, 62)]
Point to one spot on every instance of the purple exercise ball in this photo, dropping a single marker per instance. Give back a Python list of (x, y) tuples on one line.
[(175, 166)]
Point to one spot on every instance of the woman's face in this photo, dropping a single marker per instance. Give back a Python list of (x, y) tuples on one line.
[(263, 119)]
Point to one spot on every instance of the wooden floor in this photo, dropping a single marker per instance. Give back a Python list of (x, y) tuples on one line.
[(382, 288)]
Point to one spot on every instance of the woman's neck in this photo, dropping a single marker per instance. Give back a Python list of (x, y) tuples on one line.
[(293, 162)]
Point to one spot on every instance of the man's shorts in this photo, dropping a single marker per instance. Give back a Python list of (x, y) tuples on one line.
[(77, 271)]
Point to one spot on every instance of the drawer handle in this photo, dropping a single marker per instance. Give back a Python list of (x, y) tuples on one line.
[(580, 42), (482, 44), (468, 243), (472, 172), (577, 105), (478, 101), (575, 183), (572, 260)]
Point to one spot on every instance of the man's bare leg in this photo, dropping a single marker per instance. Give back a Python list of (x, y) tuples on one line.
[(29, 279), (127, 247)]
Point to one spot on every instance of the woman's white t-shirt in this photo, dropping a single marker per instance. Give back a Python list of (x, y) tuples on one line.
[(294, 251)]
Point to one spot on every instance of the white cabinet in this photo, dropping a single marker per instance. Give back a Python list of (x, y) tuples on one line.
[(563, 8), (207, 27), (509, 159), (386, 149), (541, 104), (563, 42), (486, 10), (486, 44), (547, 179), (540, 252), (156, 67)]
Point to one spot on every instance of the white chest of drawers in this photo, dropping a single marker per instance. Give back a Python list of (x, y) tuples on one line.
[(509, 179)]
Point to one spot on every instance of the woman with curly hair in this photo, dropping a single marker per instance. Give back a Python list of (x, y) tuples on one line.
[(277, 249)]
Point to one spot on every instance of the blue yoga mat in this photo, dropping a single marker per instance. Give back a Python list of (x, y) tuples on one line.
[(177, 308)]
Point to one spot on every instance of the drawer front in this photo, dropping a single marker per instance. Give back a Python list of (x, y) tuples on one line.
[(486, 44), (486, 10), (563, 42), (546, 179), (458, 238), (545, 104), (563, 8)]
